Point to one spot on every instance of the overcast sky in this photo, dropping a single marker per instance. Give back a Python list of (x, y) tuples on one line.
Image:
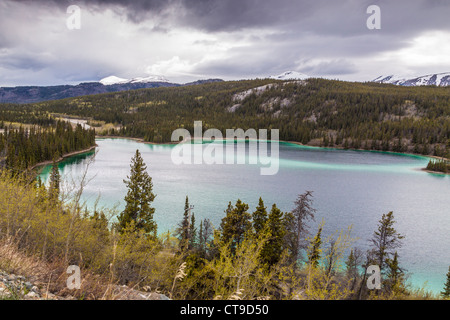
[(186, 40)]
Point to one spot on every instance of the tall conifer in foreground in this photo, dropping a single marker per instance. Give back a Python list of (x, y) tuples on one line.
[(55, 181), (259, 217), (236, 223), (138, 199), (446, 292), (182, 231), (315, 250), (296, 225), (385, 240)]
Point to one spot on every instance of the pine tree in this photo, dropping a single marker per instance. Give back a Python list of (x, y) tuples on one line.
[(201, 242), (314, 249), (395, 276), (138, 198), (385, 239), (236, 223), (259, 217), (192, 233), (206, 231), (446, 292), (272, 250), (182, 231), (296, 227), (55, 181)]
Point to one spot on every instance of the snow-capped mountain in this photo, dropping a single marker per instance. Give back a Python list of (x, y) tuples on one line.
[(437, 79), (289, 75), (111, 80)]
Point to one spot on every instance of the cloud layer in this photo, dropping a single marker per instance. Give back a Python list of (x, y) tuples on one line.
[(189, 39)]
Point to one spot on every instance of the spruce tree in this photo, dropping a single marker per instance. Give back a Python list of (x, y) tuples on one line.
[(395, 276), (182, 231), (314, 249), (272, 250), (192, 233), (385, 239), (138, 199), (55, 181), (446, 292), (201, 242), (236, 223), (206, 231), (295, 223), (259, 217)]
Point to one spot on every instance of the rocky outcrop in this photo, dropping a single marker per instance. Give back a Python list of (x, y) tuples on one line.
[(17, 287)]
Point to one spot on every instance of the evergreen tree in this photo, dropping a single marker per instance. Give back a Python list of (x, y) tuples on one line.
[(55, 181), (182, 231), (385, 239), (201, 242), (272, 250), (395, 276), (314, 249), (259, 217), (236, 223), (446, 292), (296, 227), (205, 233), (138, 199), (192, 233)]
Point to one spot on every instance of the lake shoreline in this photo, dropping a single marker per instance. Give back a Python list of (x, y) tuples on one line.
[(141, 140), (64, 156)]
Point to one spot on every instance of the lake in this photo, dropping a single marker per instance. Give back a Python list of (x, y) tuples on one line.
[(349, 187)]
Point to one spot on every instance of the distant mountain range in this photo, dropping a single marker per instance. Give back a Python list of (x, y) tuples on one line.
[(437, 79), (33, 94)]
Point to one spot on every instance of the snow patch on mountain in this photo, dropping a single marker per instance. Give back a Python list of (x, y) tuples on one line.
[(112, 80), (437, 79), (116, 80), (289, 75)]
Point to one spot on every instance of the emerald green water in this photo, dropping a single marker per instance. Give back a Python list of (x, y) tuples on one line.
[(350, 188)]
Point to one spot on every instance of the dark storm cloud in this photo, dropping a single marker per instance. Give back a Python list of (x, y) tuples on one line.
[(227, 38), (346, 17), (24, 62)]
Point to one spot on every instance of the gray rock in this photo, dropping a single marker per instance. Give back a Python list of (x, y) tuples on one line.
[(32, 295), (11, 277)]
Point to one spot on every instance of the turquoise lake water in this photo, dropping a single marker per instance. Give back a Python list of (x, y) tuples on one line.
[(349, 187)]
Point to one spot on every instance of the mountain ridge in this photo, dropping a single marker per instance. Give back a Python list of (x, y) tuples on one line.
[(35, 94), (436, 79)]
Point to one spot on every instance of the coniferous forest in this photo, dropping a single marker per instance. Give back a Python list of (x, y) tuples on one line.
[(317, 112), (23, 148)]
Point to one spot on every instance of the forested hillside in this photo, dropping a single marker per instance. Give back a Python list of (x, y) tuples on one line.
[(23, 148), (315, 111)]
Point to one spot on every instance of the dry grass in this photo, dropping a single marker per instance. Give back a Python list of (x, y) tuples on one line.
[(14, 261)]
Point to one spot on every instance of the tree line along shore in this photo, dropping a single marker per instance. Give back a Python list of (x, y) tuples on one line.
[(313, 112)]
